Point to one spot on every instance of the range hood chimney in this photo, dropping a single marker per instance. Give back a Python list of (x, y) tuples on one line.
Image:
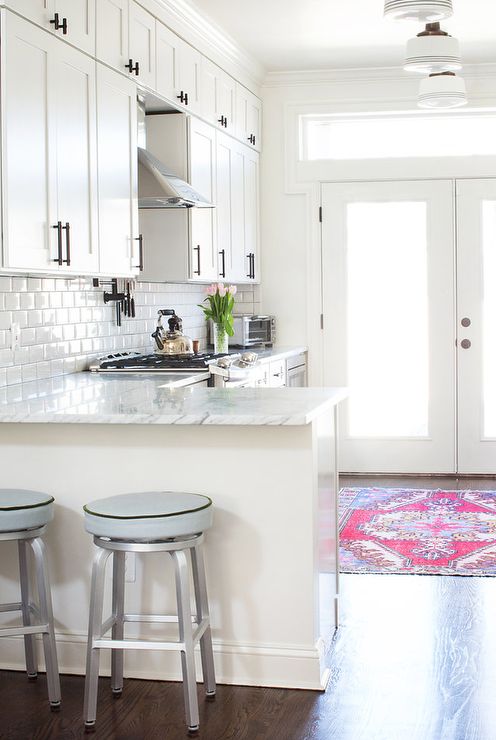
[(158, 187)]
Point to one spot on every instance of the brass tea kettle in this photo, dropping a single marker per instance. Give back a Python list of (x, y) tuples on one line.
[(173, 341)]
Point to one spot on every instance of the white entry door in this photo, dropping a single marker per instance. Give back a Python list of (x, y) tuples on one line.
[(389, 323), (476, 223)]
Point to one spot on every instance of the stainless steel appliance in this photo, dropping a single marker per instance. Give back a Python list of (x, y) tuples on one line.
[(158, 186), (251, 331), (232, 371)]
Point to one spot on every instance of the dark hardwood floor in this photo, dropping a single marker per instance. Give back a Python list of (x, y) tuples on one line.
[(414, 659)]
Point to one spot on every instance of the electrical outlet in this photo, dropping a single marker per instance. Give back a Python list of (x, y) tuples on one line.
[(130, 567), (15, 336)]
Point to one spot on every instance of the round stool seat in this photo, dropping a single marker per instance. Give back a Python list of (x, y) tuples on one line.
[(21, 509), (149, 516)]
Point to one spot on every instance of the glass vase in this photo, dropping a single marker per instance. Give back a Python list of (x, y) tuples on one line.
[(220, 339)]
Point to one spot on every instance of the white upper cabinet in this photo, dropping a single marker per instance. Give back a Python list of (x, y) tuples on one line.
[(178, 70), (112, 33), (28, 146), (38, 11), (72, 20), (117, 174), (141, 63), (75, 135), (230, 209), (78, 22), (252, 215), (203, 252), (49, 152), (217, 96), (248, 117)]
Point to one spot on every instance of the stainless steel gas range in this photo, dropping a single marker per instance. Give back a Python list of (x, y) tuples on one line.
[(234, 370)]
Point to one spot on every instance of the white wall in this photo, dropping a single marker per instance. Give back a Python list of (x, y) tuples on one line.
[(290, 193)]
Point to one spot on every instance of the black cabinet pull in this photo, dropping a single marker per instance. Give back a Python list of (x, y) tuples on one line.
[(58, 25), (223, 255), (183, 97), (58, 259), (197, 250), (132, 67), (139, 239), (251, 266), (252, 139), (223, 121), (67, 229)]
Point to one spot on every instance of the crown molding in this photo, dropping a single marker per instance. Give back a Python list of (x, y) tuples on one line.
[(209, 38), (364, 75)]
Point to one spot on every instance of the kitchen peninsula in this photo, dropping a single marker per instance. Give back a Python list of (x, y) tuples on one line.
[(267, 457)]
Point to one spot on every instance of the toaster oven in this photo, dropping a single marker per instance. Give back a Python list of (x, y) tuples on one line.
[(250, 331)]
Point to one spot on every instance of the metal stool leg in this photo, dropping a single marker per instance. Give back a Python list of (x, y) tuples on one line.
[(94, 632), (118, 586), (46, 615), (186, 637), (29, 640), (202, 611)]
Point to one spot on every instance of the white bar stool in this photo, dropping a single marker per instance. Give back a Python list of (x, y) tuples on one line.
[(23, 517), (149, 522)]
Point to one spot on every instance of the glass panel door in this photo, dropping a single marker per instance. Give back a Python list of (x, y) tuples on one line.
[(476, 220), (388, 295)]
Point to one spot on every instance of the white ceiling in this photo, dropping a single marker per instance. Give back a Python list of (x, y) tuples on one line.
[(323, 34)]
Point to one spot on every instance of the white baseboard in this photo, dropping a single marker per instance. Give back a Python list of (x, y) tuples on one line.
[(244, 665)]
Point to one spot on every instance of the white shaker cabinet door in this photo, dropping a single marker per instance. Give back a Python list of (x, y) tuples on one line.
[(75, 131), (217, 95), (117, 173), (252, 215), (38, 11), (203, 256), (178, 70), (112, 33), (230, 209), (142, 45), (28, 146), (248, 117), (78, 22)]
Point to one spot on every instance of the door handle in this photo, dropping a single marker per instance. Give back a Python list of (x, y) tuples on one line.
[(67, 229), (223, 255), (466, 343), (197, 250), (58, 25), (132, 67), (59, 259), (139, 239)]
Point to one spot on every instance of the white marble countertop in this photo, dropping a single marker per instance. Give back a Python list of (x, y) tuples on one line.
[(88, 398)]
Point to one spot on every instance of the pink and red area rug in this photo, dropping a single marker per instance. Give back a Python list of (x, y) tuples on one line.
[(402, 530)]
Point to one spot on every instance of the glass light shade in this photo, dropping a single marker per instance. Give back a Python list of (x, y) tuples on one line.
[(442, 91), (427, 11), (430, 54)]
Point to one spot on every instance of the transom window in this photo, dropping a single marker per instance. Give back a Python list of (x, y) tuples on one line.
[(397, 135)]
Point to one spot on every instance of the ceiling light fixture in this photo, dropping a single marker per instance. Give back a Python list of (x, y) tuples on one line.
[(433, 51), (442, 90), (428, 11)]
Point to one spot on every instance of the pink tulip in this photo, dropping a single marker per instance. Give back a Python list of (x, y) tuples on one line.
[(211, 289), (232, 289), (222, 290)]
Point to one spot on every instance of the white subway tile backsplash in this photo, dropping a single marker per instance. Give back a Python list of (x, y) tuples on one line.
[(12, 301), (64, 323)]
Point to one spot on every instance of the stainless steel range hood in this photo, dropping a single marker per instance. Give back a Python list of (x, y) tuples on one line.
[(159, 188)]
